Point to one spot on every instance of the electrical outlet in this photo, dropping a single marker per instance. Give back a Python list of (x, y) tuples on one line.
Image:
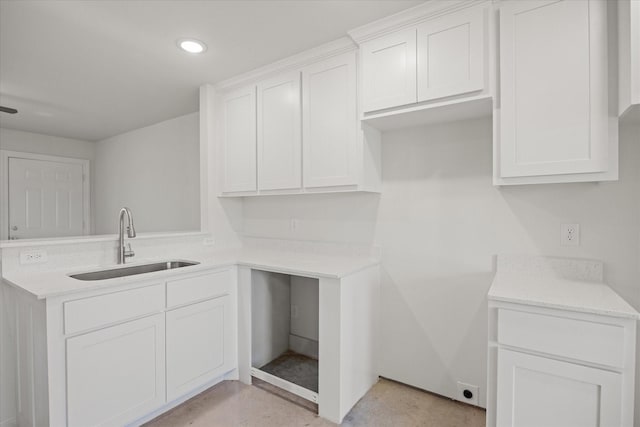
[(33, 257), (293, 225), (468, 393), (294, 311), (570, 234), (208, 241)]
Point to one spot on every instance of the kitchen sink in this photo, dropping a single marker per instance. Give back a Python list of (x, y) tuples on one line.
[(133, 270)]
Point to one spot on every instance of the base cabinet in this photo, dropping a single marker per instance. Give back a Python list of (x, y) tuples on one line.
[(559, 368), (124, 354), (115, 374), (198, 345), (537, 391)]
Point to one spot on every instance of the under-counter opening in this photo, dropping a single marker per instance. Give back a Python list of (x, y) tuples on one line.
[(285, 327)]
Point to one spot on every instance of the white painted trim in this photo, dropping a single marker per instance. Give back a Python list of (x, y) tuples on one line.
[(408, 18), (4, 189), (285, 385), (336, 47)]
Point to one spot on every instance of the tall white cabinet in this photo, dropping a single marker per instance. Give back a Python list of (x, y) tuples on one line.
[(554, 122)]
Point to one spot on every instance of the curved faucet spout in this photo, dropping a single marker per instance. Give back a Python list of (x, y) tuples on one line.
[(123, 253)]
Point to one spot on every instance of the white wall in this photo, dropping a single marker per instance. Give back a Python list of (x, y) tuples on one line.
[(439, 221), (16, 140), (155, 171)]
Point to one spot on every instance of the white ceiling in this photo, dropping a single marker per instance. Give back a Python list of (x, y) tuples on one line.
[(93, 69)]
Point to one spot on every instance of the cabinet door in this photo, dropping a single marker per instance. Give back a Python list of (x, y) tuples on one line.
[(279, 135), (553, 83), (116, 375), (199, 345), (535, 391), (389, 70), (451, 57), (239, 141), (330, 122)]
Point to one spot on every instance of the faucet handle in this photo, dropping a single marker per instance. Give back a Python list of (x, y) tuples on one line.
[(129, 253)]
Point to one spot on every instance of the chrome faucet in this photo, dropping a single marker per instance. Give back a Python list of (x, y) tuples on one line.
[(123, 253)]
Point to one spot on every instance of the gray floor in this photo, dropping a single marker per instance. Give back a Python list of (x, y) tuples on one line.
[(295, 368), (387, 404)]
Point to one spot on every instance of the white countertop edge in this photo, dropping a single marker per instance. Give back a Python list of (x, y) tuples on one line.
[(165, 274), (591, 310), (307, 273), (93, 239)]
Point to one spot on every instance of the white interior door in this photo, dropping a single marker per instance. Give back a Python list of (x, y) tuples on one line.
[(46, 198)]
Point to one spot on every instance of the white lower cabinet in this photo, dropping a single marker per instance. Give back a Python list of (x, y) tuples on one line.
[(559, 368), (198, 345), (538, 391), (123, 354), (116, 374)]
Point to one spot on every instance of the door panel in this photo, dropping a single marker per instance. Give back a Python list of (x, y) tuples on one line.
[(116, 375), (279, 134), (46, 199), (536, 391), (553, 82), (451, 54), (389, 70), (330, 124), (239, 141), (198, 345)]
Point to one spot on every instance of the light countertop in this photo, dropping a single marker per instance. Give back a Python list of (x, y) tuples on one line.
[(56, 282), (561, 293)]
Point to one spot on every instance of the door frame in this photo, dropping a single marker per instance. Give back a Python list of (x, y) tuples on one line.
[(5, 155)]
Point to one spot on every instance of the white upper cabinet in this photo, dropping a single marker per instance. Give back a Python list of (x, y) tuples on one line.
[(295, 128), (389, 70), (629, 54), (427, 64), (238, 125), (554, 104), (279, 133), (451, 54), (330, 122)]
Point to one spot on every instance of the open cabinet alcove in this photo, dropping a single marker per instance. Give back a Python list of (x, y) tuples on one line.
[(284, 332)]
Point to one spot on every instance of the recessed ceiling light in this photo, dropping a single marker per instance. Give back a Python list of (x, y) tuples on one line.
[(192, 45)]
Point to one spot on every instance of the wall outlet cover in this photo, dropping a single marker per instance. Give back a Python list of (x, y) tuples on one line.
[(33, 257), (468, 393), (570, 234)]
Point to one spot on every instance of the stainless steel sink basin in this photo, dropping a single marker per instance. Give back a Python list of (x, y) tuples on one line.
[(134, 269)]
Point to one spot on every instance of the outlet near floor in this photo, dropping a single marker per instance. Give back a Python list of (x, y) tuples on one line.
[(467, 393)]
